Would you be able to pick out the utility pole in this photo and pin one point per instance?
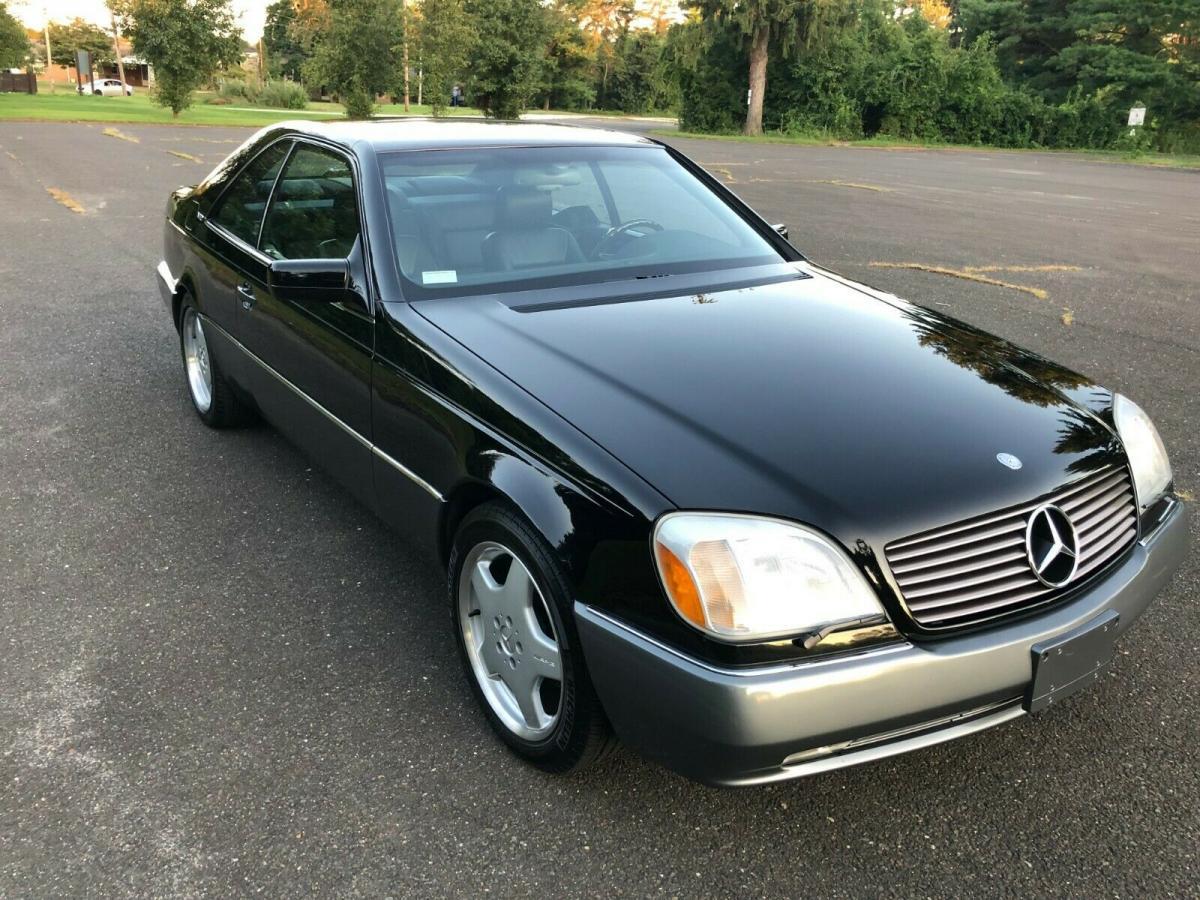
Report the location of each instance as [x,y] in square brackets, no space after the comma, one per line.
[404,22]
[262,63]
[49,60]
[117,49]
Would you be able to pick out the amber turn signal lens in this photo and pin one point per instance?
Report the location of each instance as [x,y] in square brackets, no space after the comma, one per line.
[681,589]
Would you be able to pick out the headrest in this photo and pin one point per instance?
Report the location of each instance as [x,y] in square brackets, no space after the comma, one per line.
[523,207]
[396,198]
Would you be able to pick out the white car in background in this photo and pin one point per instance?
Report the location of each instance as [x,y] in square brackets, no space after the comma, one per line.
[107,87]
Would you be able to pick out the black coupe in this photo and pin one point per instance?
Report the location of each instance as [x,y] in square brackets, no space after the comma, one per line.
[688,488]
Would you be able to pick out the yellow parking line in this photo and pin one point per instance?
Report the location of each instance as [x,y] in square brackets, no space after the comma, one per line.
[183,155]
[1050,268]
[853,184]
[965,274]
[66,200]
[120,135]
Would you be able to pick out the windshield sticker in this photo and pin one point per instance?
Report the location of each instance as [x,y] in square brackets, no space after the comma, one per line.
[440,276]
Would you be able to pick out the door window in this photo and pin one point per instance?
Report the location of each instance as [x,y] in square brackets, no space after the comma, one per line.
[314,213]
[242,207]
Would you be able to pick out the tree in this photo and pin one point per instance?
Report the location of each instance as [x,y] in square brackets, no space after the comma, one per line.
[359,54]
[14,44]
[285,54]
[763,22]
[186,41]
[506,68]
[1029,36]
[80,35]
[1121,51]
[448,38]
[568,73]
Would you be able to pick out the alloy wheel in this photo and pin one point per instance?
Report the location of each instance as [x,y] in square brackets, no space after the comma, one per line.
[511,642]
[196,361]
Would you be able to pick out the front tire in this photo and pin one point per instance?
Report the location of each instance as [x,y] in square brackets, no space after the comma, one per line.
[212,397]
[511,610]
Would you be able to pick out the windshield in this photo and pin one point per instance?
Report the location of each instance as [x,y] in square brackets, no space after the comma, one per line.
[497,220]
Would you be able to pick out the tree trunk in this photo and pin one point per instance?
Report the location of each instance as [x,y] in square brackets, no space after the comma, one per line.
[404,11]
[758,79]
[117,50]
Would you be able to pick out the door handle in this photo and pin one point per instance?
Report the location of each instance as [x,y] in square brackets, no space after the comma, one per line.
[247,294]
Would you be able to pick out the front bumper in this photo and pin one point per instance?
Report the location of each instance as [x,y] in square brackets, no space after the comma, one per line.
[730,727]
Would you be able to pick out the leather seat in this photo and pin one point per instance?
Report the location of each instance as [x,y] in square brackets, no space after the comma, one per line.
[525,238]
[409,236]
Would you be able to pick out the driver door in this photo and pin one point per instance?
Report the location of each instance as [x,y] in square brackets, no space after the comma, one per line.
[314,356]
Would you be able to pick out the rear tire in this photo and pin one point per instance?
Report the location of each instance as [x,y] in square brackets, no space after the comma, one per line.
[510,606]
[212,396]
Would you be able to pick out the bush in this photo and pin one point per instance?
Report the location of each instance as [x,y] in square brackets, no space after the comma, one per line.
[237,89]
[283,95]
[900,78]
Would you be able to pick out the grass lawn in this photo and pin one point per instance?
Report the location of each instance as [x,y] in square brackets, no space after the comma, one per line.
[62,106]
[1169,160]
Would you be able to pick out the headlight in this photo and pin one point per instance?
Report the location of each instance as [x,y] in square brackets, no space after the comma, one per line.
[1147,455]
[740,578]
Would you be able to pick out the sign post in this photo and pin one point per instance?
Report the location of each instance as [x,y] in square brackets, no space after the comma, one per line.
[1137,117]
[83,63]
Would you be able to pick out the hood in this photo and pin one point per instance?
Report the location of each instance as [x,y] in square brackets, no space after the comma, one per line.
[807,398]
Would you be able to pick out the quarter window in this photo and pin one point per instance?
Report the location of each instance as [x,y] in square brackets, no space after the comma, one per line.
[314,213]
[242,207]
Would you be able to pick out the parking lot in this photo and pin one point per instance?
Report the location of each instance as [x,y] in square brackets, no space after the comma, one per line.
[219,675]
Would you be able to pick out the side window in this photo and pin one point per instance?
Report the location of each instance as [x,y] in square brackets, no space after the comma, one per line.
[314,213]
[242,207]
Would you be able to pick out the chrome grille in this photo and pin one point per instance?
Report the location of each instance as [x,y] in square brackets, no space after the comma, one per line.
[978,569]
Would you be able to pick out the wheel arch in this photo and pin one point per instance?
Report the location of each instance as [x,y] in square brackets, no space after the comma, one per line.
[185,285]
[535,494]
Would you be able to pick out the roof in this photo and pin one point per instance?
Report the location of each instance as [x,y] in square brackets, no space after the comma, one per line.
[411,133]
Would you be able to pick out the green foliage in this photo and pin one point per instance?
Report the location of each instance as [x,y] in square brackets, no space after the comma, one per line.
[506,67]
[285,54]
[77,34]
[860,71]
[780,24]
[1117,51]
[640,80]
[703,58]
[568,77]
[283,95]
[447,38]
[358,55]
[237,89]
[186,41]
[14,45]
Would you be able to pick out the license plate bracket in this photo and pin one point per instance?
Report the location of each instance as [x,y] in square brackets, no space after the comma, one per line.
[1070,662]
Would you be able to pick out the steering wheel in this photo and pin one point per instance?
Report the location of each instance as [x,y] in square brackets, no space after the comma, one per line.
[602,246]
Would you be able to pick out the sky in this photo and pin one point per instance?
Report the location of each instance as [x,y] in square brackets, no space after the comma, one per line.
[34,13]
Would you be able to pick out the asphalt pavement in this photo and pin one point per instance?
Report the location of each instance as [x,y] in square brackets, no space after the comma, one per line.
[219,675]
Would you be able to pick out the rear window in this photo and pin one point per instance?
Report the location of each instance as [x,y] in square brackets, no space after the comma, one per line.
[499,220]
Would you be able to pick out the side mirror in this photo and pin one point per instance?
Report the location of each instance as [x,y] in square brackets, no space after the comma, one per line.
[781,230]
[310,279]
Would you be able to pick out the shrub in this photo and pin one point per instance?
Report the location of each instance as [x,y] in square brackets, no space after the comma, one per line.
[283,95]
[237,89]
[873,74]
